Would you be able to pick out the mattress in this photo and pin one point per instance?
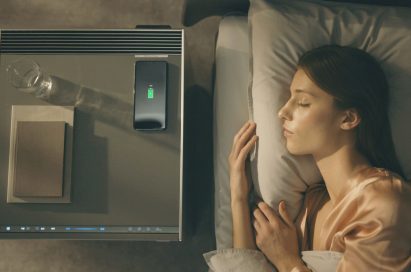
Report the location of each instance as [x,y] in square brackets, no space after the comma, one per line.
[231,111]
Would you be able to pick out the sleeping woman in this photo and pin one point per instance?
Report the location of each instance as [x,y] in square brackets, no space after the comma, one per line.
[338,113]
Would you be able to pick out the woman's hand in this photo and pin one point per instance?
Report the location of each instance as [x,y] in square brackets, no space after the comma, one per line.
[276,236]
[243,142]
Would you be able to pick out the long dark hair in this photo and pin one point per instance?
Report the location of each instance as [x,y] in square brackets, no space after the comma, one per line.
[356,80]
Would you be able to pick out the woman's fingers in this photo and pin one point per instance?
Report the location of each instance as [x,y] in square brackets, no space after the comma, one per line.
[247,148]
[243,139]
[237,136]
[269,213]
[284,214]
[259,217]
[241,131]
[257,226]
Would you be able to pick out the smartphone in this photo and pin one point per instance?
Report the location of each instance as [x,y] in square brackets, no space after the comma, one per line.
[150,95]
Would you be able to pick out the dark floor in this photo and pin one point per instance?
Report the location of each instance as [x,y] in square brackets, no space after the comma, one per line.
[102,256]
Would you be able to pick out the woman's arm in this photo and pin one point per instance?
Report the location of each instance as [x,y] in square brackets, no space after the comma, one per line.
[243,142]
[242,231]
[284,255]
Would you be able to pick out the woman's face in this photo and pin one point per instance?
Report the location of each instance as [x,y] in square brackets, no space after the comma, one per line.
[311,117]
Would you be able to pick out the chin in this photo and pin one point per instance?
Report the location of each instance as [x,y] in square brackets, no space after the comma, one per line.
[296,151]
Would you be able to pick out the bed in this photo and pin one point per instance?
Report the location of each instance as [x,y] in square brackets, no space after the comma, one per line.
[235,100]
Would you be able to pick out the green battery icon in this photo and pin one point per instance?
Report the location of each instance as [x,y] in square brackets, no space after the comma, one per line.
[150,92]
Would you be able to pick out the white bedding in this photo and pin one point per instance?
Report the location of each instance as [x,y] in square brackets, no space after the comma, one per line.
[231,111]
[245,260]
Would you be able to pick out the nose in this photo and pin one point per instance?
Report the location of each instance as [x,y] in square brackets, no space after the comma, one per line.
[283,113]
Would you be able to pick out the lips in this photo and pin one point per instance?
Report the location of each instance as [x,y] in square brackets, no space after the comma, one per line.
[288,131]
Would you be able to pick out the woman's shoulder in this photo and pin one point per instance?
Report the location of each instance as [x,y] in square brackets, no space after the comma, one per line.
[374,190]
[381,182]
[380,191]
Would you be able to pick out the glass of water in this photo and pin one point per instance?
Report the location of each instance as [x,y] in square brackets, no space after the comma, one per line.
[26,76]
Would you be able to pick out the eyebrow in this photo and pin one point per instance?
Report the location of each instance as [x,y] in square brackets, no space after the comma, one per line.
[304,91]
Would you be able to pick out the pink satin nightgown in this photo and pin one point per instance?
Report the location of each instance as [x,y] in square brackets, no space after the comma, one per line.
[370,222]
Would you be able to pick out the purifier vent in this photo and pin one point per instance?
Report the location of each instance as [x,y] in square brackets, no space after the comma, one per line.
[136,41]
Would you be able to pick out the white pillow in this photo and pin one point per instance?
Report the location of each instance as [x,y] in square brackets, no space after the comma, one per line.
[280,32]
